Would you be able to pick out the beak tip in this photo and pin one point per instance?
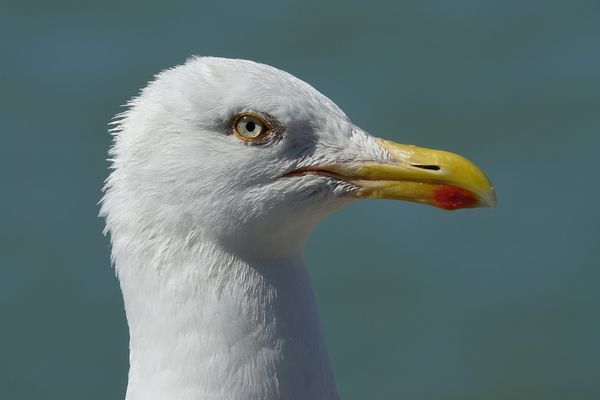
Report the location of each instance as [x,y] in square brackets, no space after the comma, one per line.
[489,199]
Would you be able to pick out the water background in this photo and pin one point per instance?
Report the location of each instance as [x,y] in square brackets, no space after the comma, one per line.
[416,303]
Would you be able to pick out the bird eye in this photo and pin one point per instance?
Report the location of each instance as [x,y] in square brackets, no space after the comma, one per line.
[250,127]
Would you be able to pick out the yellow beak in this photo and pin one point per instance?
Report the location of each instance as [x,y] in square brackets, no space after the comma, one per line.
[439,178]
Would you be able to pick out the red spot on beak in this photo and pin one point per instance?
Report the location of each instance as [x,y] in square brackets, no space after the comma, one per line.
[453,198]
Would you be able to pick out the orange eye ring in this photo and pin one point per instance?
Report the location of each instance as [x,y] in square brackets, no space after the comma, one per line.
[250,127]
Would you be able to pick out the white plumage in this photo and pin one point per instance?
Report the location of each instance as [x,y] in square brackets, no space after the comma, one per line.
[207,230]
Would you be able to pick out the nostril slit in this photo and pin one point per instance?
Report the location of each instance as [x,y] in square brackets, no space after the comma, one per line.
[429,167]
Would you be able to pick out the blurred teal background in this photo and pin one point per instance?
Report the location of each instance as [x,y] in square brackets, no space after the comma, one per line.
[416,303]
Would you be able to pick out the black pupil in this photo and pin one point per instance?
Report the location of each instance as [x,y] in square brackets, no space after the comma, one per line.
[250,126]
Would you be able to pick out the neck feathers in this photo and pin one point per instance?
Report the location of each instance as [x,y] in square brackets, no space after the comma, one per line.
[206,323]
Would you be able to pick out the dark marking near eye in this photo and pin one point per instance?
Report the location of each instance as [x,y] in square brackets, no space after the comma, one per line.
[430,167]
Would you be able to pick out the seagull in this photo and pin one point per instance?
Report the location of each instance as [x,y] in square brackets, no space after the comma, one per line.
[220,169]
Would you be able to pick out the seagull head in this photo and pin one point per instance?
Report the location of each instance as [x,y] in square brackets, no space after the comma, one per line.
[250,155]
